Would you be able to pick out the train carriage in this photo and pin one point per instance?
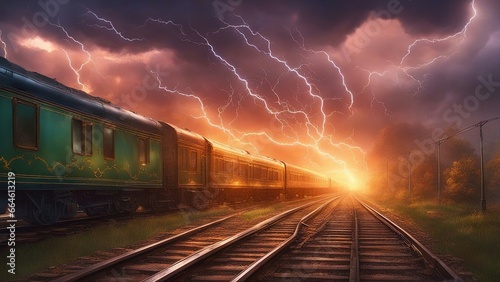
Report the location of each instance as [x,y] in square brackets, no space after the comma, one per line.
[301,182]
[237,173]
[184,165]
[70,149]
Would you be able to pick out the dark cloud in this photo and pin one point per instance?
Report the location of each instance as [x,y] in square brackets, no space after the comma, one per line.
[434,17]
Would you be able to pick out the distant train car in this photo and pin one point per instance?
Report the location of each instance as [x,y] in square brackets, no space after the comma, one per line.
[237,173]
[66,147]
[301,182]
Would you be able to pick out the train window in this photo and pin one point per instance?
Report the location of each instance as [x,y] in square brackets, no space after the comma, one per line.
[108,143]
[26,124]
[220,166]
[183,158]
[143,148]
[193,161]
[88,139]
[256,172]
[246,170]
[241,169]
[81,134]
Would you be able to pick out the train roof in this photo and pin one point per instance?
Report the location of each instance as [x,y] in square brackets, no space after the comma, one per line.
[52,91]
[186,134]
[243,153]
[291,167]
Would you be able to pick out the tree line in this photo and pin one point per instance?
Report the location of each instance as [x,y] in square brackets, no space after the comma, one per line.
[400,169]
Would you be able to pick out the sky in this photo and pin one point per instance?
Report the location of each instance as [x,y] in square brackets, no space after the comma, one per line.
[308,82]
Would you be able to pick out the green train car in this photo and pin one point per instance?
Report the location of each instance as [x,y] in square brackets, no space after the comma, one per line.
[69,150]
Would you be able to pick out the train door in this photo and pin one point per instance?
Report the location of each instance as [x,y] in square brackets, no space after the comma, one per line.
[204,171]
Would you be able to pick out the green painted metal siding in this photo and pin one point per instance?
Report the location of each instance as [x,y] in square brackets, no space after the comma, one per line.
[55,163]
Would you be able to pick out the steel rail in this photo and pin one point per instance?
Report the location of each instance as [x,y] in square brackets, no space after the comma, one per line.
[354,271]
[182,265]
[432,260]
[115,260]
[245,274]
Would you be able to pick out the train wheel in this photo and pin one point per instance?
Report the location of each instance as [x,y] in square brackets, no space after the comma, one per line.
[122,204]
[96,211]
[46,211]
[154,204]
[200,201]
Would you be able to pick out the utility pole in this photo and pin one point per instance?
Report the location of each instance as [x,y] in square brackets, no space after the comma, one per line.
[409,174]
[483,192]
[439,169]
[387,176]
[483,196]
[439,142]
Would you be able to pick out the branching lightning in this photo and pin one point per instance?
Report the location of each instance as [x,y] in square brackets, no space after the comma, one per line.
[301,44]
[4,45]
[370,74]
[82,47]
[109,26]
[315,133]
[462,33]
[179,26]
[406,69]
[374,99]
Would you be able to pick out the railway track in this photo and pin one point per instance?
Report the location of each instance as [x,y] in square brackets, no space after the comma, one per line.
[28,233]
[355,244]
[229,258]
[341,239]
[146,261]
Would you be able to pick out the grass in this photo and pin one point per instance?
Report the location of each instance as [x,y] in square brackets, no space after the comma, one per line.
[462,232]
[257,213]
[35,257]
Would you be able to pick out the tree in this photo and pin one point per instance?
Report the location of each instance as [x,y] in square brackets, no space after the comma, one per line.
[492,175]
[388,158]
[424,177]
[463,180]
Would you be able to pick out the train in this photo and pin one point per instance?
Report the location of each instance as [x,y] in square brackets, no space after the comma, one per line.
[63,150]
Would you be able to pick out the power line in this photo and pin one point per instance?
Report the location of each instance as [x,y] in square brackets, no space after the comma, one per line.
[439,142]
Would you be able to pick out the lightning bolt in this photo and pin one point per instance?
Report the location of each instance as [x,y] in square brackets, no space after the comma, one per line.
[3,44]
[179,26]
[109,26]
[370,74]
[408,70]
[301,44]
[374,99]
[316,133]
[76,70]
[280,109]
[462,33]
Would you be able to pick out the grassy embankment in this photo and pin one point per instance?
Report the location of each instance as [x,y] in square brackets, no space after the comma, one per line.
[461,231]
